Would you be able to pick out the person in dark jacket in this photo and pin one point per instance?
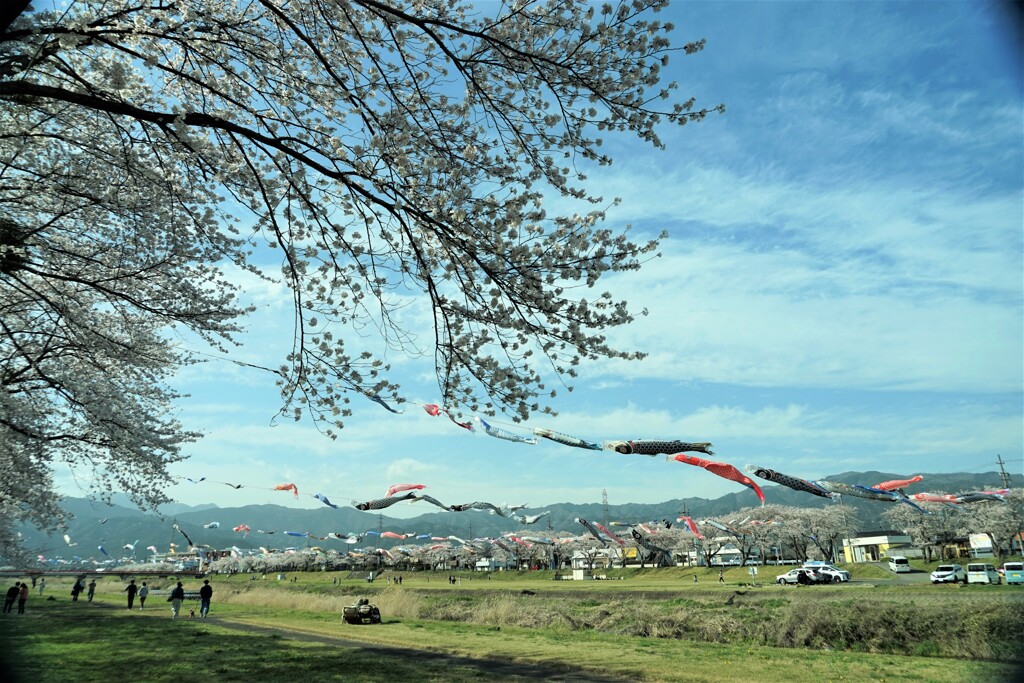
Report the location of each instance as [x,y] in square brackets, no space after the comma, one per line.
[132,589]
[12,595]
[177,595]
[205,593]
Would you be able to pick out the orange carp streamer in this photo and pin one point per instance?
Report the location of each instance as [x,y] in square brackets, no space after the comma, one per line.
[288,487]
[894,484]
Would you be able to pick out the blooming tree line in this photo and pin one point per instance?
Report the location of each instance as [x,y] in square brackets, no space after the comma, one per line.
[758,534]
[390,151]
[1002,521]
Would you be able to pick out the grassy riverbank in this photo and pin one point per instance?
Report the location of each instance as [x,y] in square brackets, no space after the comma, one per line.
[647,626]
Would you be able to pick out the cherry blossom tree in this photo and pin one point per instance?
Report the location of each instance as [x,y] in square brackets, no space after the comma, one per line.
[762,529]
[712,544]
[796,531]
[1002,520]
[826,527]
[392,152]
[931,531]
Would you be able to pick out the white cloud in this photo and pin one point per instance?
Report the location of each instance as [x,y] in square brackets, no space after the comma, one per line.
[863,285]
[404,468]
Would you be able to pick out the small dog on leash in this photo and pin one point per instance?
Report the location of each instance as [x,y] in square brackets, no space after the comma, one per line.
[192,613]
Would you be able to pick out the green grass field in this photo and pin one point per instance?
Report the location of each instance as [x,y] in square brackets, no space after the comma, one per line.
[650,625]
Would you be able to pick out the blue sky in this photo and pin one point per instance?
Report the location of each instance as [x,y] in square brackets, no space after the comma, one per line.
[841,290]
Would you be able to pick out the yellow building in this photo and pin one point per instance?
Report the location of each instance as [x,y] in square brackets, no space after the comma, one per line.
[878,546]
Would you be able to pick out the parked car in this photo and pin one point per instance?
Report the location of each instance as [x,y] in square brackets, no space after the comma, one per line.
[983,572]
[1013,572]
[801,575]
[899,564]
[949,573]
[825,569]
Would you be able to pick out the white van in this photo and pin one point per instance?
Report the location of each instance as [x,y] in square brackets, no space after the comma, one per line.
[899,564]
[982,572]
[827,570]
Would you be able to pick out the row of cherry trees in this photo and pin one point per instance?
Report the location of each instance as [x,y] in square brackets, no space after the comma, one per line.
[762,533]
[1002,521]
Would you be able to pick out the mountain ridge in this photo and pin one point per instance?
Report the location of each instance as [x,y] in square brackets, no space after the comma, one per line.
[93,524]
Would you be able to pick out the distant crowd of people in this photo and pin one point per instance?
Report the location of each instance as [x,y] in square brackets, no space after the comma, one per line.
[18,593]
[80,588]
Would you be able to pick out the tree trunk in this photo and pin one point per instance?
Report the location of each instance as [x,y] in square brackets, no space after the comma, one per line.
[9,11]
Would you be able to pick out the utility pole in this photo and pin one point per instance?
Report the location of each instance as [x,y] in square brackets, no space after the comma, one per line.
[1002,472]
[604,503]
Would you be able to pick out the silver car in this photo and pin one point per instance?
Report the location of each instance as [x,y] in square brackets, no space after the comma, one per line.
[949,573]
[793,577]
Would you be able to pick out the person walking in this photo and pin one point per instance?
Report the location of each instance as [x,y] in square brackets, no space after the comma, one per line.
[721,576]
[143,594]
[205,593]
[22,598]
[92,589]
[695,578]
[132,589]
[76,589]
[12,595]
[42,585]
[177,595]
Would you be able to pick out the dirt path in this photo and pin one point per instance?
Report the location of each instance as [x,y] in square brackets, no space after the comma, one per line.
[491,668]
[494,669]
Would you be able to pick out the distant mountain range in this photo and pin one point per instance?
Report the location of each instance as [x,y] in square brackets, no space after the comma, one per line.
[93,524]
